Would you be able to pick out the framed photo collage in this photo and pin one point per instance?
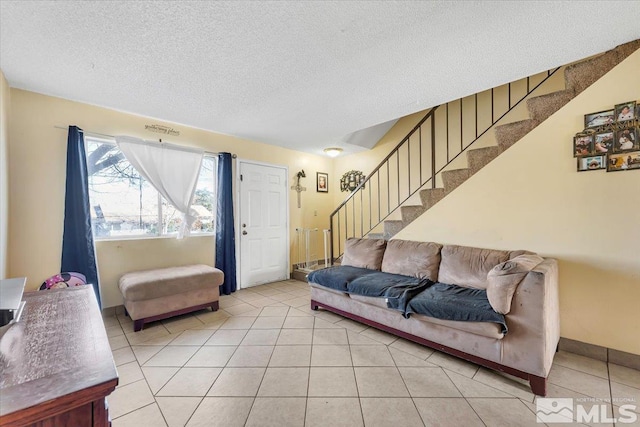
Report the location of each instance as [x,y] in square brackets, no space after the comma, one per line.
[610,139]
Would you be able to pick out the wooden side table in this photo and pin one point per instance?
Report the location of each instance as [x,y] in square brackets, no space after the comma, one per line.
[56,366]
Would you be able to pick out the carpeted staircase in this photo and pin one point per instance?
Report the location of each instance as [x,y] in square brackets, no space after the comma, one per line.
[577,77]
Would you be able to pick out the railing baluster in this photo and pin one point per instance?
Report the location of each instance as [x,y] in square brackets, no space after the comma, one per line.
[370,214]
[461,123]
[339,236]
[447,108]
[409,166]
[492,107]
[476,108]
[388,190]
[398,172]
[420,152]
[346,222]
[379,199]
[353,215]
[361,215]
[433,152]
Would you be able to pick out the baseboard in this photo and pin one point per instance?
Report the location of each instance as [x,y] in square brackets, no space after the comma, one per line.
[299,275]
[597,352]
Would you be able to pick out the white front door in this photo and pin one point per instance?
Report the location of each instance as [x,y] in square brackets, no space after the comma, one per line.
[264,228]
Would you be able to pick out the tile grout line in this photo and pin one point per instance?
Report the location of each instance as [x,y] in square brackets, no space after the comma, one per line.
[464,397]
[306,401]
[610,393]
[355,378]
[395,364]
[264,374]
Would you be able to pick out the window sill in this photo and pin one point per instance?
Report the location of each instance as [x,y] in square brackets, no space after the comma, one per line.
[166,236]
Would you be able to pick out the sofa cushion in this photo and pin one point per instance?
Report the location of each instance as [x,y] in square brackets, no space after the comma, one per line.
[364,253]
[485,329]
[339,276]
[376,301]
[467,266]
[417,259]
[504,278]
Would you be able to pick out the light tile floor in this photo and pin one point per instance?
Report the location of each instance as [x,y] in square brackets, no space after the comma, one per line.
[266,359]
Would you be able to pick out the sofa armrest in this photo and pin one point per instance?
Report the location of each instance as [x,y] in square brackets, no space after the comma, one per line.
[534,321]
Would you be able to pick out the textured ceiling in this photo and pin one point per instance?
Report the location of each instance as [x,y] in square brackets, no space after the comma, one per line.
[304,74]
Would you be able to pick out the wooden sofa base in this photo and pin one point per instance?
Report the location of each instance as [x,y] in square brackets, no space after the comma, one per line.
[138,324]
[538,384]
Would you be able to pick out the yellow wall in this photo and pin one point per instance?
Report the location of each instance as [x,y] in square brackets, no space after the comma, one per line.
[37,173]
[531,197]
[4,174]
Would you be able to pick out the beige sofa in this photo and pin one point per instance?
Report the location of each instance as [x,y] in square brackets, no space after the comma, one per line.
[519,284]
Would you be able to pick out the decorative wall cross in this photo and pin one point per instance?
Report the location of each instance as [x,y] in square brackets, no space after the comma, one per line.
[298,187]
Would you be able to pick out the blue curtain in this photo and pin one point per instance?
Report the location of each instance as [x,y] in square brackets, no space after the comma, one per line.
[225,234]
[78,251]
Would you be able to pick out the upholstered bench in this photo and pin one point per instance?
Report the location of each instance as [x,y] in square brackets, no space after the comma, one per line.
[158,294]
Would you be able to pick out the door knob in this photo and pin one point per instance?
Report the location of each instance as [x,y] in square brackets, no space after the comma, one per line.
[244,232]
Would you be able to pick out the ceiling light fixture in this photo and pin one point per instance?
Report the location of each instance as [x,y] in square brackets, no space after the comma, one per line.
[333,151]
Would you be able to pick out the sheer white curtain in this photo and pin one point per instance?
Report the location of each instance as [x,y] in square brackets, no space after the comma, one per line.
[171,169]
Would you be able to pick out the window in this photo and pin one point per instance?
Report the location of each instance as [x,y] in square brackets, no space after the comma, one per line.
[123,204]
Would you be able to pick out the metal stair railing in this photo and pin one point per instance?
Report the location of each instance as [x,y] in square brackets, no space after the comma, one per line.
[363,211]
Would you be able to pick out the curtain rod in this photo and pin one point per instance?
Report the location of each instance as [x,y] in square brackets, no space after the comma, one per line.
[113,137]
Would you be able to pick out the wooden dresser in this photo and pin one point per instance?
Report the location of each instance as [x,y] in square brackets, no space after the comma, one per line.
[56,366]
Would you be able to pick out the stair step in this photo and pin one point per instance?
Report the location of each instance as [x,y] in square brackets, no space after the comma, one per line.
[392,227]
[409,213]
[624,50]
[509,134]
[375,236]
[431,196]
[454,177]
[480,157]
[580,76]
[541,107]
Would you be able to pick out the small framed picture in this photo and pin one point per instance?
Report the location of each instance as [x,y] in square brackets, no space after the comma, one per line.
[322,182]
[603,143]
[626,140]
[625,111]
[582,145]
[598,119]
[590,163]
[623,161]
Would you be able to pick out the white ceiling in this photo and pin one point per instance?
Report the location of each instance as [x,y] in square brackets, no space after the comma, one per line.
[302,74]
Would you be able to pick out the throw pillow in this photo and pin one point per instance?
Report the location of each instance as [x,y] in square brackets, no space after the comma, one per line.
[417,259]
[504,278]
[364,253]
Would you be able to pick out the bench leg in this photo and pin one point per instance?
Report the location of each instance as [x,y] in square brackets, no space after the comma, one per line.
[138,325]
[215,306]
[126,313]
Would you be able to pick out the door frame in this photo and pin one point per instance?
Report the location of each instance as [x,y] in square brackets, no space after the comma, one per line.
[237,217]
